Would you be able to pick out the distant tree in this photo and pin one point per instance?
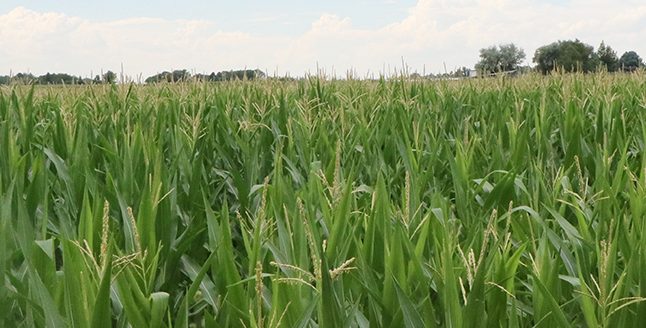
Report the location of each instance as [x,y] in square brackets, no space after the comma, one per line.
[630,61]
[506,57]
[546,56]
[569,55]
[489,60]
[23,78]
[461,72]
[201,77]
[247,74]
[159,77]
[46,79]
[511,57]
[165,76]
[59,78]
[607,57]
[109,77]
[180,75]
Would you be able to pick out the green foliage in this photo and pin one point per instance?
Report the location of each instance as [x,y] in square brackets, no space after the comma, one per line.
[184,75]
[570,56]
[246,74]
[174,76]
[607,57]
[59,78]
[630,61]
[20,78]
[49,79]
[109,77]
[314,203]
[502,58]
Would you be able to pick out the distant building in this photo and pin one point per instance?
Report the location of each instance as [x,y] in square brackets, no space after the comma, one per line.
[472,73]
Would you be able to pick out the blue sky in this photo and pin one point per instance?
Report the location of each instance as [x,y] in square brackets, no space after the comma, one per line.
[296,37]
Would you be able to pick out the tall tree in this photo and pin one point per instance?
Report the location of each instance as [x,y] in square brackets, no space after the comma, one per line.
[109,77]
[510,56]
[607,57]
[568,55]
[630,61]
[546,56]
[506,57]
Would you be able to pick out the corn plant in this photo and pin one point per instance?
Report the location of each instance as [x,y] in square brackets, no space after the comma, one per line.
[507,202]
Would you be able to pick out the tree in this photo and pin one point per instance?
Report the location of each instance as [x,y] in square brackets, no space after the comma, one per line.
[180,75]
[607,57]
[511,57]
[247,74]
[109,77]
[461,72]
[164,76]
[545,57]
[630,61]
[568,55]
[23,78]
[174,76]
[506,57]
[59,78]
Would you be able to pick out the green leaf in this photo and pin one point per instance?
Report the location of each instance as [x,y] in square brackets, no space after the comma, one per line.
[102,309]
[555,310]
[159,306]
[412,318]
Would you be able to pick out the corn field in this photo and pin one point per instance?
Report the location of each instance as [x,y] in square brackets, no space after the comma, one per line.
[506,202]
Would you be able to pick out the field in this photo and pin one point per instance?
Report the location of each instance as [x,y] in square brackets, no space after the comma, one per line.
[510,202]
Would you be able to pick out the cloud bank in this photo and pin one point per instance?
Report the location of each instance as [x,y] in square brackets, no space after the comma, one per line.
[435,34]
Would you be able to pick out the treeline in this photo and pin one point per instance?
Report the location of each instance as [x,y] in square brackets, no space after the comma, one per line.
[57,78]
[184,75]
[576,56]
[563,55]
[49,78]
[111,77]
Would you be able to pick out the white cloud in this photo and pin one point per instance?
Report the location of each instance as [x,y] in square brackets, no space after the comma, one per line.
[434,32]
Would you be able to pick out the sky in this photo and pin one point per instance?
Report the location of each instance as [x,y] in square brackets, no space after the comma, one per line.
[288,37]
